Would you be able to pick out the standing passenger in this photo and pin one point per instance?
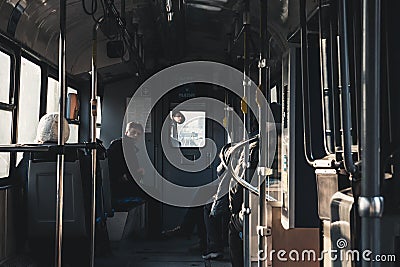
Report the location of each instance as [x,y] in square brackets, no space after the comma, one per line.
[176,118]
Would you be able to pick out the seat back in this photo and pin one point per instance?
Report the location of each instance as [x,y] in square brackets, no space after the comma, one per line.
[42,199]
[341,227]
[327,186]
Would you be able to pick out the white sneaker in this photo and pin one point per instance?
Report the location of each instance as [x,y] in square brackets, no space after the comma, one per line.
[213,256]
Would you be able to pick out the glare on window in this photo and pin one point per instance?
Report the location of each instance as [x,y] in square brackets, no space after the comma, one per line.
[5,69]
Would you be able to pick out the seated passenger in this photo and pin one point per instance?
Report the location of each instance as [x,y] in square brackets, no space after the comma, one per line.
[47,132]
[123,185]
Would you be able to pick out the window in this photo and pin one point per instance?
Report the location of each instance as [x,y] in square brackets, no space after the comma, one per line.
[5,115]
[98,120]
[29,102]
[53,94]
[274,94]
[5,138]
[53,97]
[188,128]
[5,68]
[73,133]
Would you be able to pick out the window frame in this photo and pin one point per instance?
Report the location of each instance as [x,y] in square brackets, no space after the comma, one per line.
[10,106]
[16,51]
[37,63]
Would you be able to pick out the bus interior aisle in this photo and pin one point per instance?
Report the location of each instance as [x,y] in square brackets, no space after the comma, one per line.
[171,253]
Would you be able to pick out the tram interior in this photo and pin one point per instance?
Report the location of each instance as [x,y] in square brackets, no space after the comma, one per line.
[327,69]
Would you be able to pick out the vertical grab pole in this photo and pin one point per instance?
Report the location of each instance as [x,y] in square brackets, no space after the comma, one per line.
[305,84]
[246,119]
[334,74]
[93,117]
[370,203]
[324,42]
[60,156]
[262,228]
[344,85]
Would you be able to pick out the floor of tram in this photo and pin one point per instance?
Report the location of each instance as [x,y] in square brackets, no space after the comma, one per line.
[135,253]
[160,253]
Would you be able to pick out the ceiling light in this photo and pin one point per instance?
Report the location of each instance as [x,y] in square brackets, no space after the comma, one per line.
[205,7]
[211,2]
[219,1]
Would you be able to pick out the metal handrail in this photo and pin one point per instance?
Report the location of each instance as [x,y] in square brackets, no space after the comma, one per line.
[227,164]
[45,147]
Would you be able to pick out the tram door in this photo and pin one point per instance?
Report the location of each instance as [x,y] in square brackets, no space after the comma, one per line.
[189,131]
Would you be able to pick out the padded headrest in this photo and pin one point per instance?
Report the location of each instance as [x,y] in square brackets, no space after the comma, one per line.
[47,130]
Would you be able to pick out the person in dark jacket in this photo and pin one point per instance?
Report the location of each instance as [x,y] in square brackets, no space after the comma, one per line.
[123,182]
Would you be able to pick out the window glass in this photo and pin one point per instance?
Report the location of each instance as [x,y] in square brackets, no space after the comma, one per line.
[29,101]
[5,138]
[274,95]
[188,128]
[53,94]
[71,90]
[5,69]
[73,133]
[98,130]
[98,119]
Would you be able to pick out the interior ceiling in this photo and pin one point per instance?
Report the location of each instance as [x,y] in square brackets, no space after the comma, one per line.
[199,29]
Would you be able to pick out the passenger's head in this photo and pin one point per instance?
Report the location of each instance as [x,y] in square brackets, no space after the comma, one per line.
[134,130]
[47,131]
[178,117]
